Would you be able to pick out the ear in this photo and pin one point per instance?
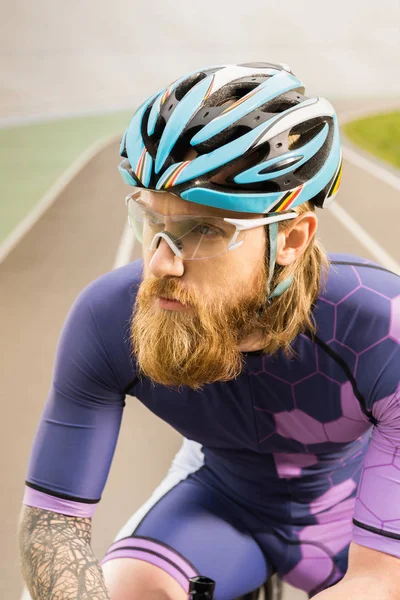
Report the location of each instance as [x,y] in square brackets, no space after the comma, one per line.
[293,241]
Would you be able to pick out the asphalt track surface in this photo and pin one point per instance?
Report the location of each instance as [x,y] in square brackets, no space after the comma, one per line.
[73,243]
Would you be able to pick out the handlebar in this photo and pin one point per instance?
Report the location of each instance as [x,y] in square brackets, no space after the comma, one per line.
[201,588]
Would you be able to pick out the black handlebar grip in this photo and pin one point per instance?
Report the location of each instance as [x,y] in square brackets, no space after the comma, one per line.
[201,588]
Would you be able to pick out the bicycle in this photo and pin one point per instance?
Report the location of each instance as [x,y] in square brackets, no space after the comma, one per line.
[202,588]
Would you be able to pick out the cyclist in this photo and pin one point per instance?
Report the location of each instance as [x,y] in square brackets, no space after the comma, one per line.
[279,367]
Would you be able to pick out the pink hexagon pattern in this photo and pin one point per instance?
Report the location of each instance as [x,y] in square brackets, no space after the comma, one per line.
[335,535]
[350,406]
[386,410]
[394,331]
[297,425]
[377,495]
[333,496]
[339,512]
[313,569]
[353,423]
[290,465]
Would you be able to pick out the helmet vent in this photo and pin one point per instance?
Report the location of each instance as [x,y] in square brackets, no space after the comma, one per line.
[189,83]
[228,135]
[232,92]
[152,142]
[283,164]
[311,168]
[124,152]
[305,132]
[278,105]
[182,147]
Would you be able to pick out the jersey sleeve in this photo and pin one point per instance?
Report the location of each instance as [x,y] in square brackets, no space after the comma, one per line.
[77,434]
[377,509]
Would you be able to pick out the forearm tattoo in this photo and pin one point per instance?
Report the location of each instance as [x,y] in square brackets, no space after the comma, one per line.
[57,560]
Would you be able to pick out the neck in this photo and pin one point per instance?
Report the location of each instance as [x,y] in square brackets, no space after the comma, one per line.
[252,343]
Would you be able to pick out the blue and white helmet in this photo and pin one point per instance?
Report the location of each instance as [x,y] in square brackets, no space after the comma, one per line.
[261,145]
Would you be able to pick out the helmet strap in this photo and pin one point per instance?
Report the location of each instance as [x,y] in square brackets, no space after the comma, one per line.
[273,247]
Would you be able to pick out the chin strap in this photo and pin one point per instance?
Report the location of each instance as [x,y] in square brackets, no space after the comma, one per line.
[273,246]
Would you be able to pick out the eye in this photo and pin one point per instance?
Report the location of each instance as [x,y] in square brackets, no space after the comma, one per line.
[151,219]
[208,230]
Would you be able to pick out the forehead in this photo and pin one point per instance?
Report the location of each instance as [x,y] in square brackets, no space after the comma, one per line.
[166,203]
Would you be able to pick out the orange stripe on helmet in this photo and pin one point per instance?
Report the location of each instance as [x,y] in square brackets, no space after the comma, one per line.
[165,95]
[139,168]
[286,202]
[175,174]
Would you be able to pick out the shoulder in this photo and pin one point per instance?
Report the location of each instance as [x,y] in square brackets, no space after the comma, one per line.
[359,280]
[358,316]
[358,290]
[97,328]
[114,290]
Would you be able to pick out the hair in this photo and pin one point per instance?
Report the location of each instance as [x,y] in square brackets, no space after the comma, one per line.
[290,314]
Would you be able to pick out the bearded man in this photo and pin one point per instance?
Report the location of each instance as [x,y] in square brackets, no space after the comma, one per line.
[278,364]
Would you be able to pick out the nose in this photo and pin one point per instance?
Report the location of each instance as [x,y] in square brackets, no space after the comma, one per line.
[164,263]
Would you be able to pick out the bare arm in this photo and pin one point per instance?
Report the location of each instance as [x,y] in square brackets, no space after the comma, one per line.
[57,560]
[371,574]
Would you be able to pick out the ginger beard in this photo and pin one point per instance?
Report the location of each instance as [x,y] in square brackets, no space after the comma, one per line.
[199,345]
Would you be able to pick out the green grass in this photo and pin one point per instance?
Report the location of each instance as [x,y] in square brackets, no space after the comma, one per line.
[379,135]
[32,157]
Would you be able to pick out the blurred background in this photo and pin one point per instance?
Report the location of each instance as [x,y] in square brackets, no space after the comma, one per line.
[62,58]
[71,76]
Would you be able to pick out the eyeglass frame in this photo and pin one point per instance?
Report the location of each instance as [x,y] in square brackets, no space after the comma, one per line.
[240,224]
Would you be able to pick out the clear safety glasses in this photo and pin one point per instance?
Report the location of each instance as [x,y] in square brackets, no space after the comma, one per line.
[191,237]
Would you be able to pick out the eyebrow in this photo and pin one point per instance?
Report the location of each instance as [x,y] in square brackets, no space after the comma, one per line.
[146,206]
[234,215]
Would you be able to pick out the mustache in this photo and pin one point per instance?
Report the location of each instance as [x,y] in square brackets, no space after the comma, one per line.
[173,289]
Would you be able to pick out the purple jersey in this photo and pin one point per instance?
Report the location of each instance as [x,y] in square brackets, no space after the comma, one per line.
[292,438]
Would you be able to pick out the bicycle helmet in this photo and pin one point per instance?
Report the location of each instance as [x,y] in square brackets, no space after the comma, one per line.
[261,145]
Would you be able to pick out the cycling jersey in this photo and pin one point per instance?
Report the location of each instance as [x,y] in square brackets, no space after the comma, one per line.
[290,449]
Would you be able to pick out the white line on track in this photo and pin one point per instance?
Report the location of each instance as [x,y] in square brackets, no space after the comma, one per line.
[125,248]
[383,257]
[365,239]
[371,167]
[51,195]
